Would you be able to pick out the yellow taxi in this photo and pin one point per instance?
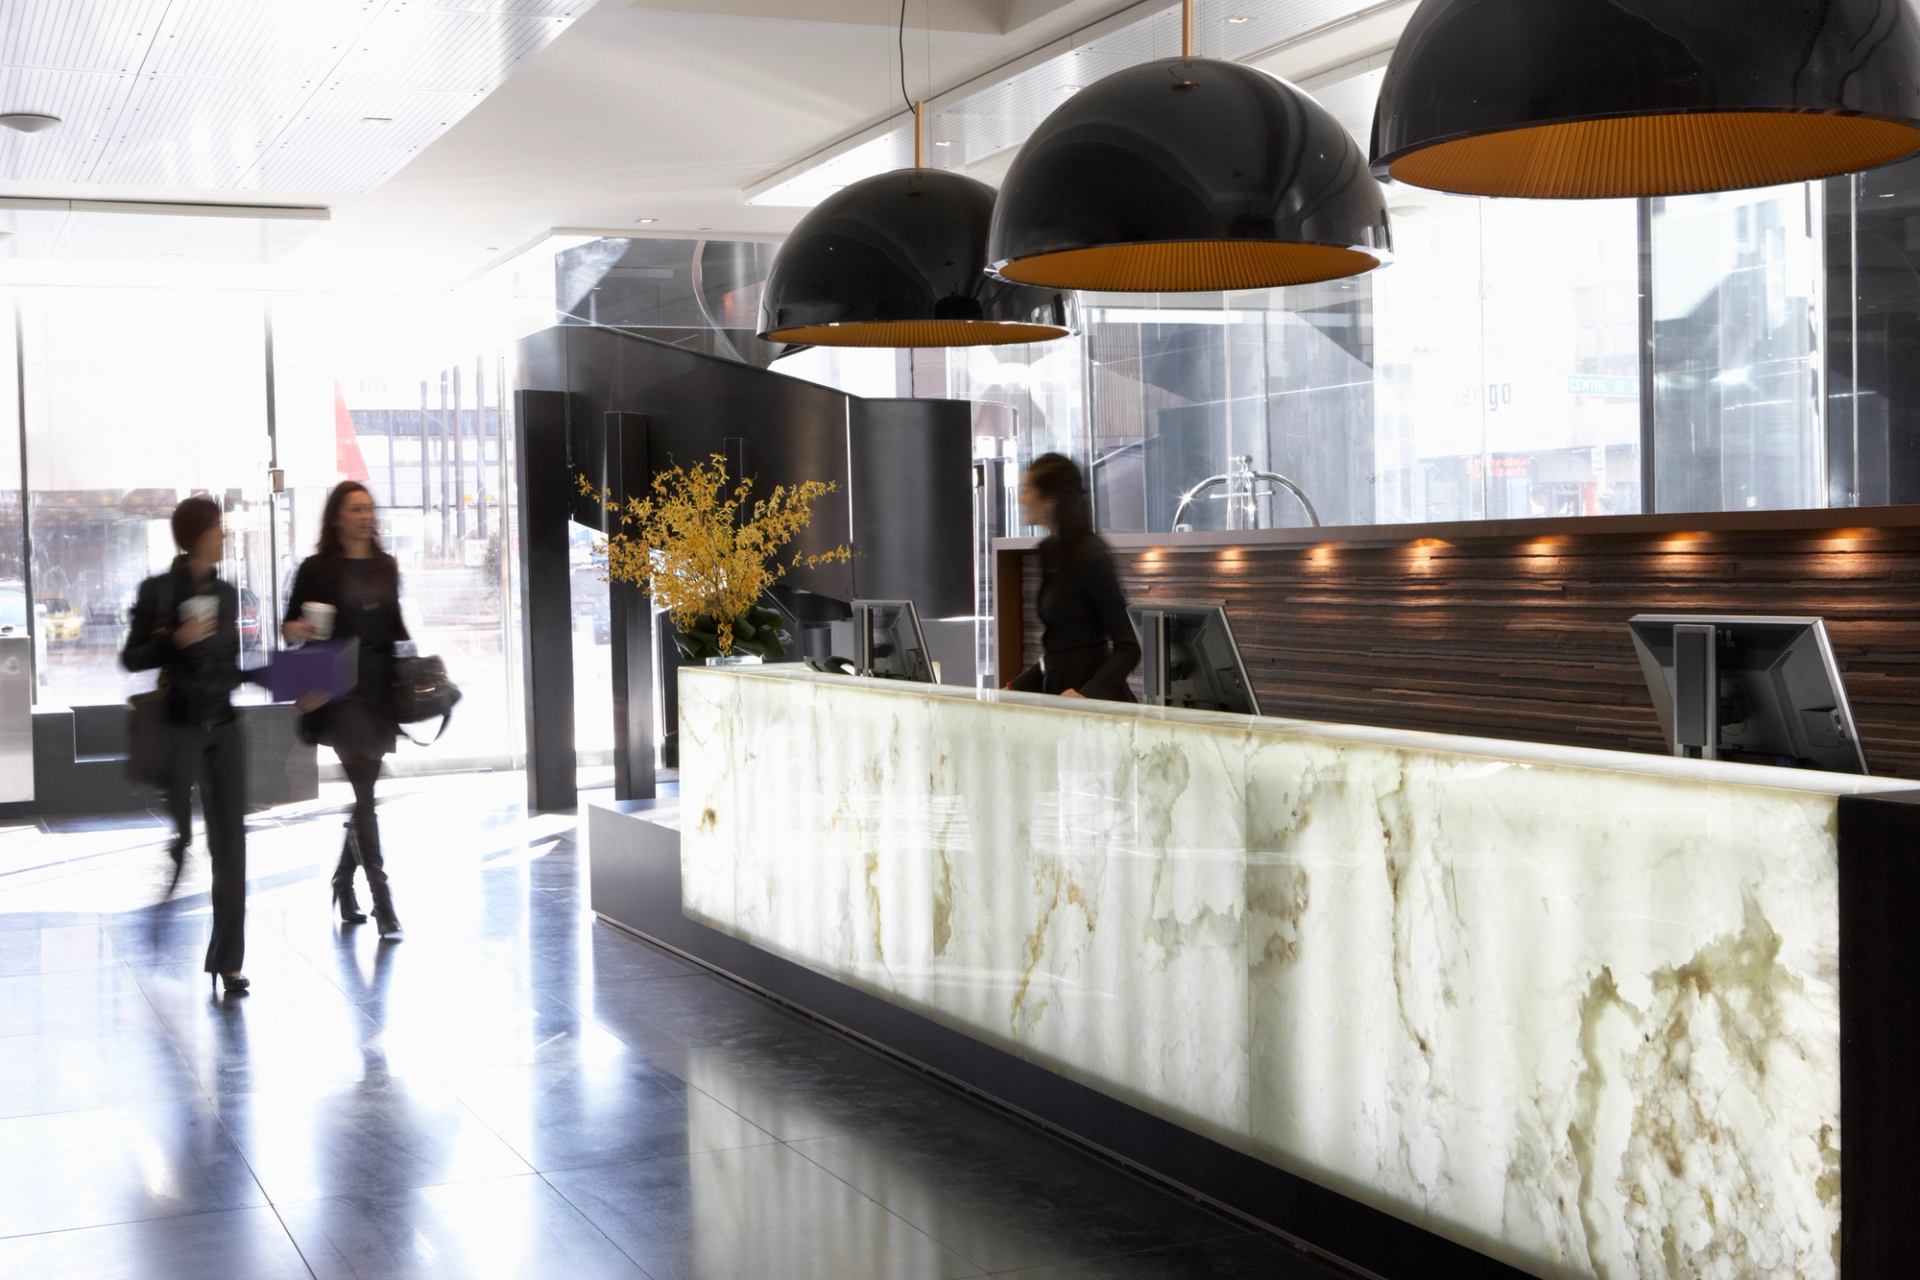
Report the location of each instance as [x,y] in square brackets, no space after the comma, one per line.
[59,619]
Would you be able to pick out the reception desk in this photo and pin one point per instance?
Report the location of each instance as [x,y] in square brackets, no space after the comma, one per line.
[1581,1013]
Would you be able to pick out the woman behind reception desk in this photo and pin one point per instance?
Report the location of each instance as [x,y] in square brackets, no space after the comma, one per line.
[1087,644]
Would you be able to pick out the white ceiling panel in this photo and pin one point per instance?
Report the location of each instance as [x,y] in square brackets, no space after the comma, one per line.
[31,232]
[326,169]
[444,50]
[195,133]
[293,43]
[335,146]
[87,102]
[255,95]
[77,35]
[528,8]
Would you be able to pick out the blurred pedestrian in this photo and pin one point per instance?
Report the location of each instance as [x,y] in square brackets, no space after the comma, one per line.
[186,626]
[356,586]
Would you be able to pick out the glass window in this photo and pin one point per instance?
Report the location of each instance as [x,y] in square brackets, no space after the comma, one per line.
[13,588]
[1738,393]
[407,399]
[1492,370]
[135,399]
[1872,331]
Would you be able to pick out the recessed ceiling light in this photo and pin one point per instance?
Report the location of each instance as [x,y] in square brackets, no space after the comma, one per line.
[28,121]
[943,144]
[376,119]
[1237,19]
[646,221]
[493,248]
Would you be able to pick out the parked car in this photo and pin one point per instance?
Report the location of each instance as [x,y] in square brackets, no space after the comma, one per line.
[60,620]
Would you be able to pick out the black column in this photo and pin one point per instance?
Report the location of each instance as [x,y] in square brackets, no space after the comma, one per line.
[1879,1032]
[546,627]
[632,619]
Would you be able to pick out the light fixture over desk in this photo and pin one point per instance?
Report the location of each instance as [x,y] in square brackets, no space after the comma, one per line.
[1589,99]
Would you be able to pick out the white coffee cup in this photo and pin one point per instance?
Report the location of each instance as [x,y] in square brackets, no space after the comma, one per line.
[319,617]
[199,609]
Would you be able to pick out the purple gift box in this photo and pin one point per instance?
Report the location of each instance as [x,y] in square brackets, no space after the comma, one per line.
[319,666]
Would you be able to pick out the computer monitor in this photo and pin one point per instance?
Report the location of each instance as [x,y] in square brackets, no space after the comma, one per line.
[1188,658]
[1753,690]
[813,617]
[891,643]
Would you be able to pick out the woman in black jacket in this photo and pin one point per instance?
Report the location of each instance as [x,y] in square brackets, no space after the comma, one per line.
[186,625]
[1087,643]
[361,582]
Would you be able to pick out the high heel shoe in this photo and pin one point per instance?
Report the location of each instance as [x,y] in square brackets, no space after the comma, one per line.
[383,913]
[350,912]
[236,983]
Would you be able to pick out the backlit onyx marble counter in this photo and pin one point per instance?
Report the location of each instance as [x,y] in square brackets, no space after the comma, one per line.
[1578,1010]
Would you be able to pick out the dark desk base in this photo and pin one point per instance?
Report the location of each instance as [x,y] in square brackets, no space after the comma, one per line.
[634,852]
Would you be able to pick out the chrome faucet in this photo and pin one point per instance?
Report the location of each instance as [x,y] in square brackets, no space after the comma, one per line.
[1243,495]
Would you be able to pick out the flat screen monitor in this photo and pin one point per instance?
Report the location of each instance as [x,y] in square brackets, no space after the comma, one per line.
[1188,658]
[892,645]
[1752,690]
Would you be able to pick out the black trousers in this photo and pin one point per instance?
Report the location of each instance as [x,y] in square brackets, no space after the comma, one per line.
[363,829]
[214,756]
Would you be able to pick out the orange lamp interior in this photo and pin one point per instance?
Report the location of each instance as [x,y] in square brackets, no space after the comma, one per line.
[1189,266]
[1662,155]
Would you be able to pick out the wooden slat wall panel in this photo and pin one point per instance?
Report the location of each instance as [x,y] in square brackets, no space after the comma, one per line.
[1516,637]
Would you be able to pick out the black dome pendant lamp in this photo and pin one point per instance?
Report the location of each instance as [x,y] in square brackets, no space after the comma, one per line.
[1603,98]
[1188,175]
[900,260]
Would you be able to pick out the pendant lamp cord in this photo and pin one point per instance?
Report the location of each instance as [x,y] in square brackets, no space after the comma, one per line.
[905,96]
[1186,28]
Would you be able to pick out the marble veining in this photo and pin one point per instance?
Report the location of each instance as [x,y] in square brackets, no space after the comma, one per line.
[1576,1010]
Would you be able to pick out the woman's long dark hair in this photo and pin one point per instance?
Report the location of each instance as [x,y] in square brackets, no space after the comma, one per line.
[330,545]
[1055,478]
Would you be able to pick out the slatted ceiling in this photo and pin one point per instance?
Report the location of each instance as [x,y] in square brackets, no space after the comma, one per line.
[287,42]
[325,168]
[191,133]
[338,117]
[548,9]
[88,102]
[332,147]
[441,50]
[219,95]
[77,35]
[1488,636]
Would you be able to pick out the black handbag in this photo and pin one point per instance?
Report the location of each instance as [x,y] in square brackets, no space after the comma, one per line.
[149,754]
[149,762]
[422,691]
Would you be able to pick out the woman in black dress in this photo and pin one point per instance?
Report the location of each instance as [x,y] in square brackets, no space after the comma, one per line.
[1087,643]
[186,625]
[361,582]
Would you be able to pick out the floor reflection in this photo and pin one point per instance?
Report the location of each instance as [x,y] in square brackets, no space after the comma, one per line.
[512,1091]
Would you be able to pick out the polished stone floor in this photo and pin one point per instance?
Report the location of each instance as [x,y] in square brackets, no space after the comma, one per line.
[514,1090]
